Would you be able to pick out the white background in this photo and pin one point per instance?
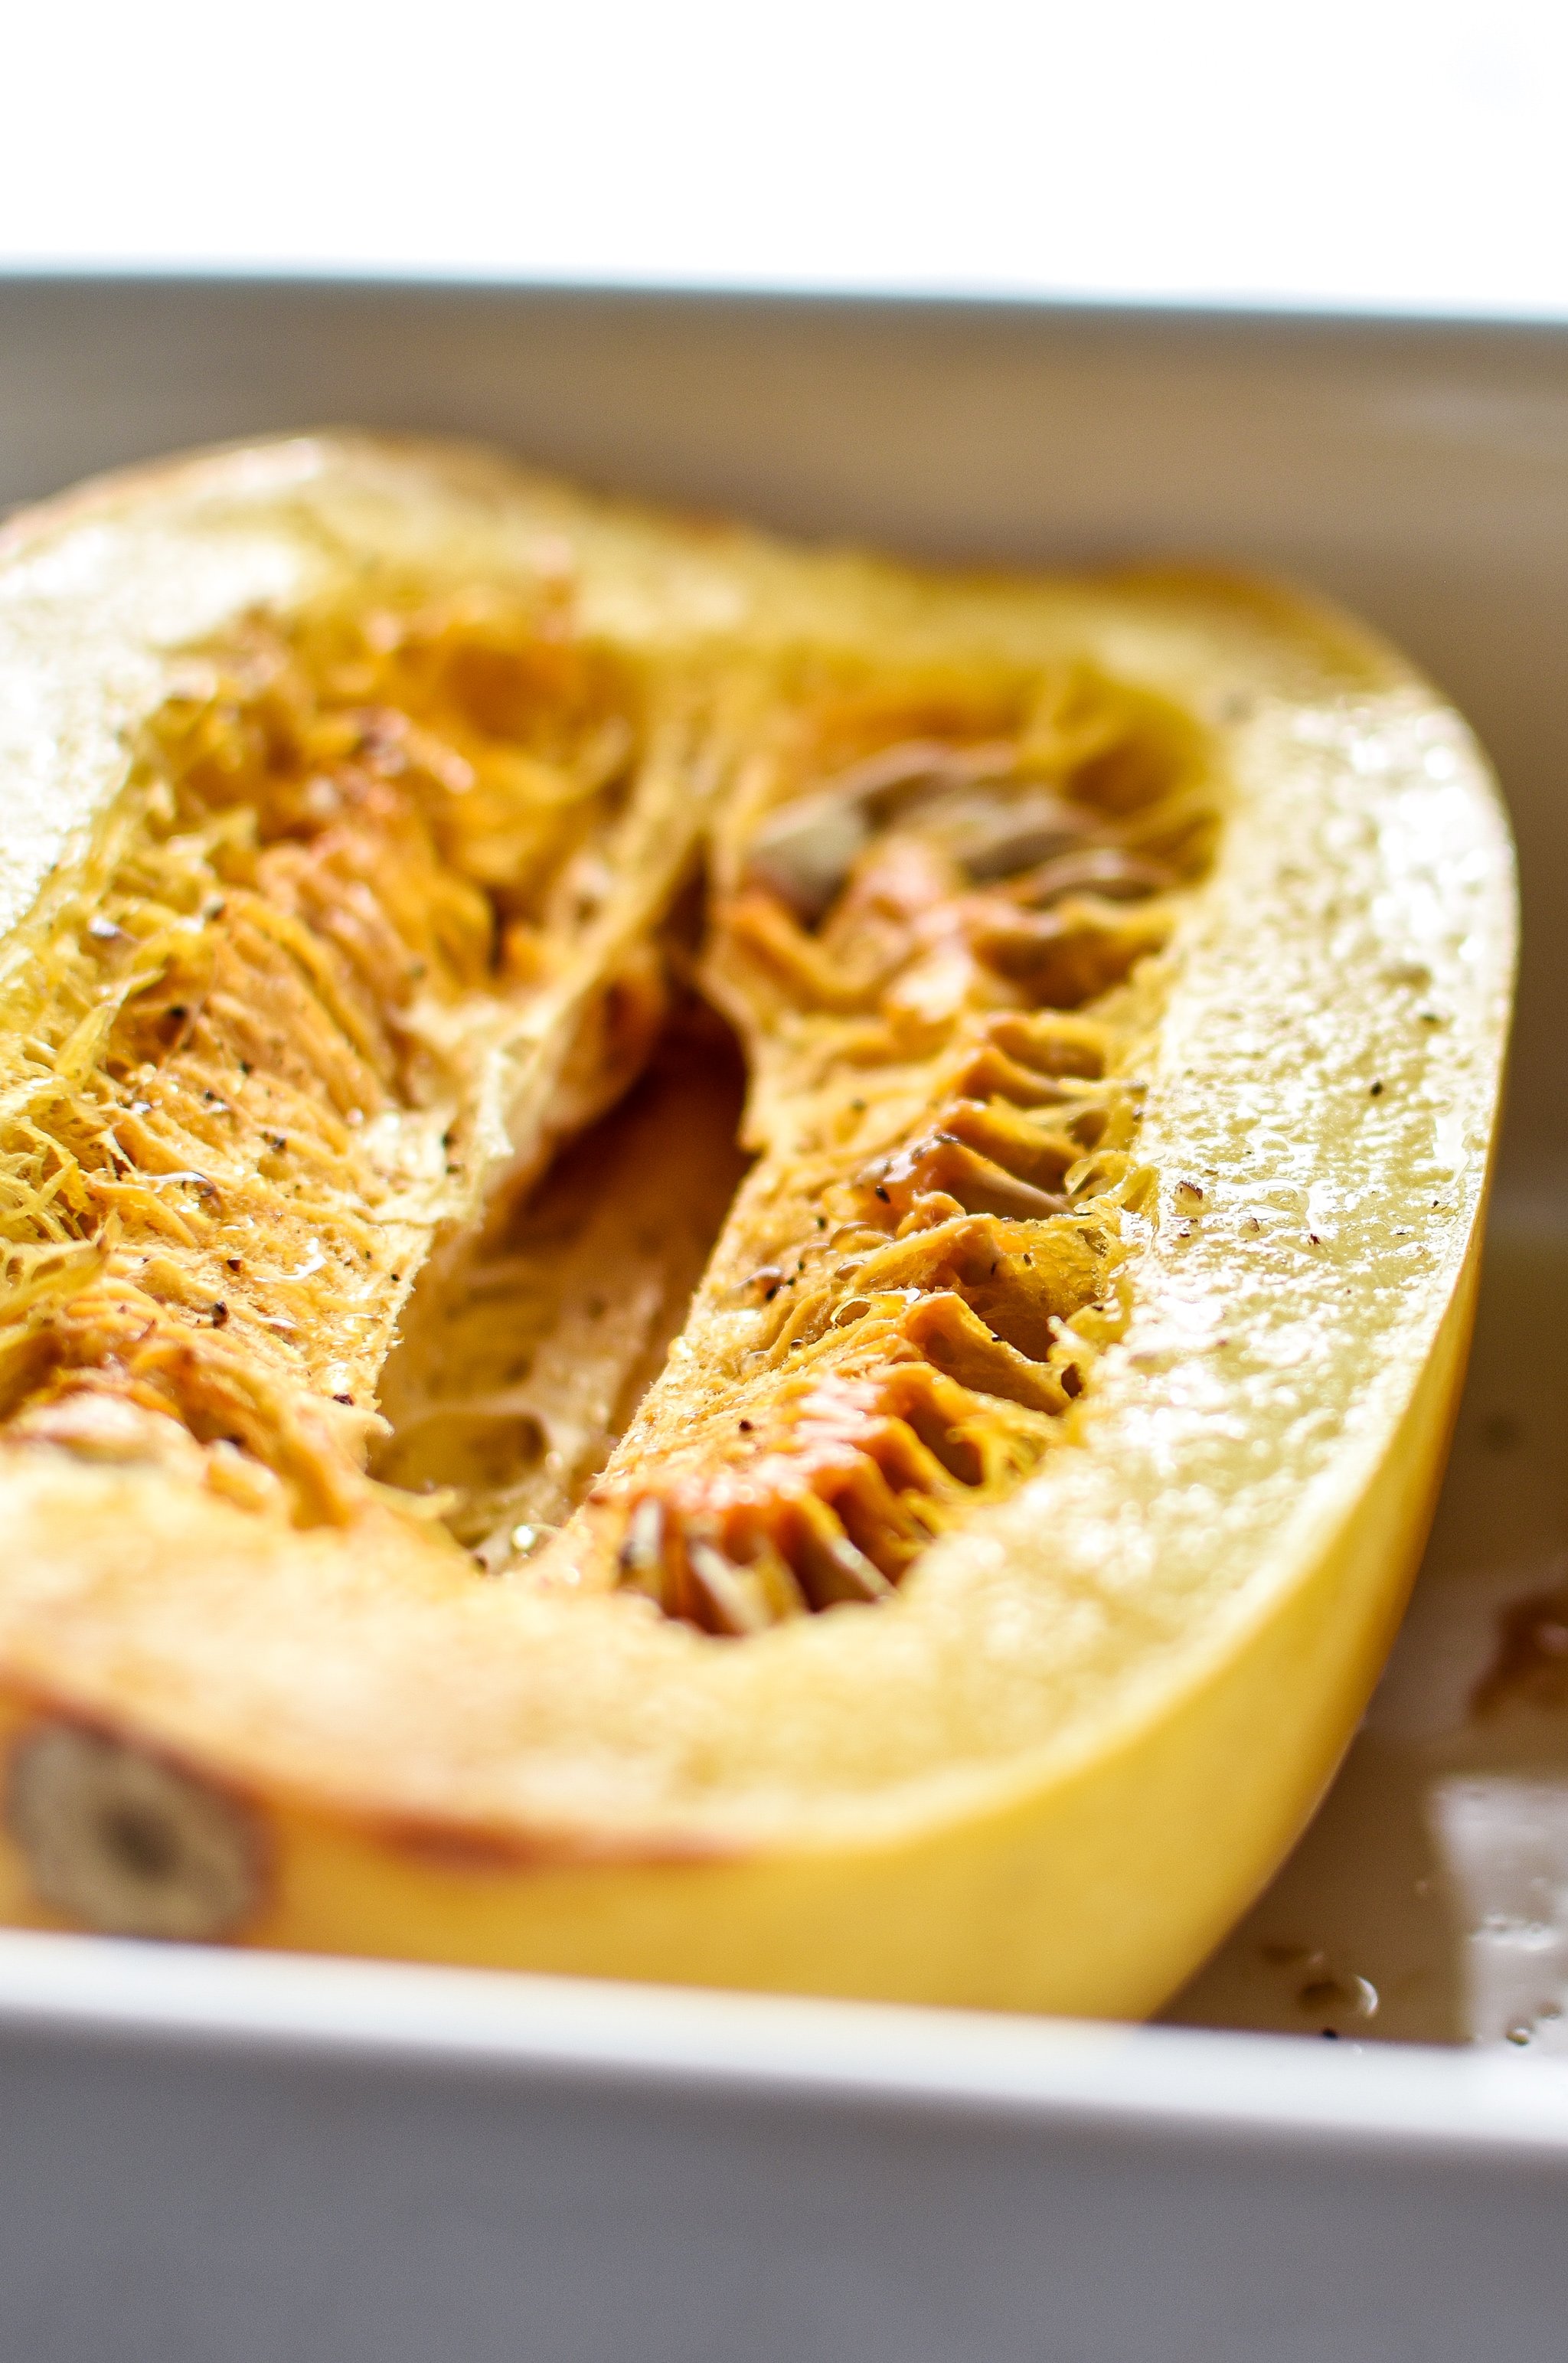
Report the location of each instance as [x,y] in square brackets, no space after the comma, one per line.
[1307,150]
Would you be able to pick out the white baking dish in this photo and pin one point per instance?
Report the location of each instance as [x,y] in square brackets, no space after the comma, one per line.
[243,2157]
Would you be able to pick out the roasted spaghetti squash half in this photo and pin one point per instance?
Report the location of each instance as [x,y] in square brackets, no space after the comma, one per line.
[719,1262]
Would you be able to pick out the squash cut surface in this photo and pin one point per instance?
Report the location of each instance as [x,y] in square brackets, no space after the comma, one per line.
[719,1262]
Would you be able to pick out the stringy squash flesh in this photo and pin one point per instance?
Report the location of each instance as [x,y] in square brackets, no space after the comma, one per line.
[418,873]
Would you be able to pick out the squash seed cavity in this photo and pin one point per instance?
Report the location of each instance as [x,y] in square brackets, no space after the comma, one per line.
[356,847]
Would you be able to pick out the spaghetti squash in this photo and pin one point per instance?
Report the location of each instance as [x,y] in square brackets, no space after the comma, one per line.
[717,1262]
